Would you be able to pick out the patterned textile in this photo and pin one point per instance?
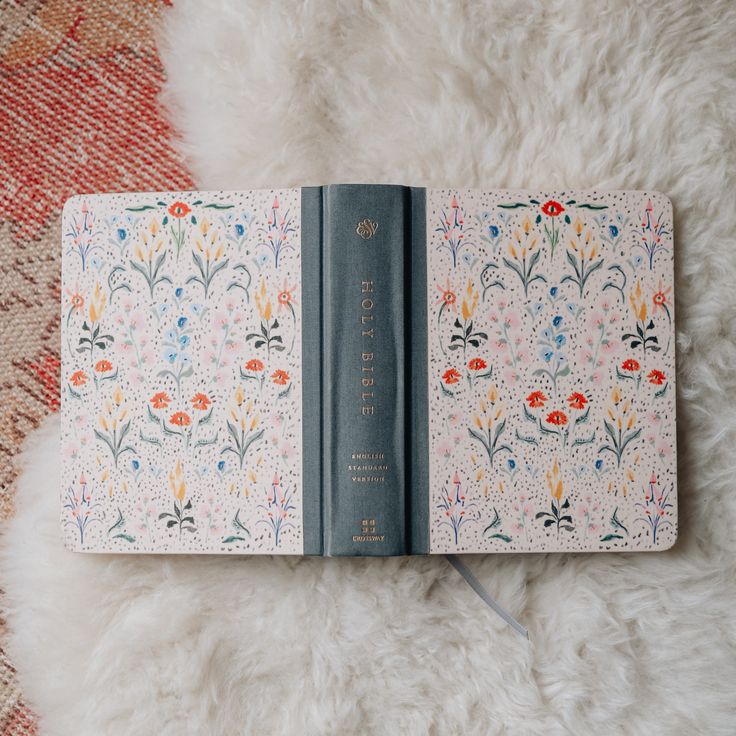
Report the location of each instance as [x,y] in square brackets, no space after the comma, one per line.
[79,113]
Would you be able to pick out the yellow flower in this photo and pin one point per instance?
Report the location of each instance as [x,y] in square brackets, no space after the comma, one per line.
[239,396]
[578,225]
[117,396]
[554,481]
[616,395]
[96,304]
[492,394]
[176,482]
[470,302]
[263,303]
[638,303]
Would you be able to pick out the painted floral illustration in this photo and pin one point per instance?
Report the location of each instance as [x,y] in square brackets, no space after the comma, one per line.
[181,371]
[574,316]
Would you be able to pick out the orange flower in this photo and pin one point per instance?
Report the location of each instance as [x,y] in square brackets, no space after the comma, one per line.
[286,297]
[631,365]
[160,400]
[536,399]
[179,209]
[280,377]
[448,296]
[552,208]
[557,417]
[181,419]
[201,402]
[77,300]
[78,378]
[656,377]
[254,365]
[451,376]
[660,296]
[103,366]
[477,364]
[577,400]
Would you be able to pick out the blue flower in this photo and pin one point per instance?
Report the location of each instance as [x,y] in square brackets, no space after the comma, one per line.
[136,464]
[557,321]
[493,231]
[598,464]
[178,292]
[163,308]
[221,465]
[184,340]
[613,230]
[196,309]
[181,322]
[170,355]
[546,354]
[571,307]
[560,340]
[122,234]
[511,463]
[553,291]
[239,229]
[186,359]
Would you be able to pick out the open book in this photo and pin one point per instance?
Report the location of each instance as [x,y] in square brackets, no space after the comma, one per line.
[368,370]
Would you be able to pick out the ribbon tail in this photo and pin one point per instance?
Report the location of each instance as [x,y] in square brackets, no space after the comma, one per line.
[485,596]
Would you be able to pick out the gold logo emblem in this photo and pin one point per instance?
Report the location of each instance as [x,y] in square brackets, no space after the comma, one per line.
[366,228]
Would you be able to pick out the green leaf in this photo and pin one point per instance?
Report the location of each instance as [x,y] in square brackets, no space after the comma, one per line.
[528,440]
[126,537]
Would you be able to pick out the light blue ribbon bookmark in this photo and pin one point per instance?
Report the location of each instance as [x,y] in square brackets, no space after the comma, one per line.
[485,596]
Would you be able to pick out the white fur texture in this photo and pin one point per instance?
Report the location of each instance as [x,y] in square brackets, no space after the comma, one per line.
[517,93]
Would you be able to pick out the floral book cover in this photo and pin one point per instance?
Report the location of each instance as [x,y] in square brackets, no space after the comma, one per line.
[360,369]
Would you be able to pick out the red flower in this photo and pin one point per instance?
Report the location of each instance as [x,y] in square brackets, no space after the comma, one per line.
[477,364]
[557,417]
[631,365]
[552,208]
[179,209]
[103,366]
[656,377]
[536,399]
[280,377]
[254,365]
[577,400]
[160,400]
[181,419]
[78,378]
[451,376]
[201,402]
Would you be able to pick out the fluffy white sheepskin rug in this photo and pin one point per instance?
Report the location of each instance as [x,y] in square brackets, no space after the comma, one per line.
[515,93]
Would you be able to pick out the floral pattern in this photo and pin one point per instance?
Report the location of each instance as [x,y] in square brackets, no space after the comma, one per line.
[563,301]
[181,373]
